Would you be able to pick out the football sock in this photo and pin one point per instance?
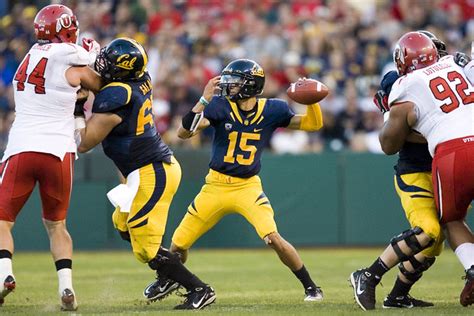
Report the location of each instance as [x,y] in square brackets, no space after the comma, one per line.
[64,270]
[183,276]
[378,268]
[465,254]
[400,288]
[5,264]
[303,275]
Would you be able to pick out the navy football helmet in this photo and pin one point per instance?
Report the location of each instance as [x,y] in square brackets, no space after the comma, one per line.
[123,59]
[243,73]
[440,45]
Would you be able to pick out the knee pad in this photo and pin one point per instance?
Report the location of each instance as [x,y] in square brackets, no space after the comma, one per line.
[164,261]
[125,235]
[409,236]
[419,268]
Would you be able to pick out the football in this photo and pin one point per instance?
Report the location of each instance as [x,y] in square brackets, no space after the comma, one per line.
[307,91]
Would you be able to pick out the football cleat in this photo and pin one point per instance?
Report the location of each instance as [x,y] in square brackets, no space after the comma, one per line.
[198,298]
[467,295]
[68,300]
[363,283]
[9,285]
[313,294]
[405,301]
[159,289]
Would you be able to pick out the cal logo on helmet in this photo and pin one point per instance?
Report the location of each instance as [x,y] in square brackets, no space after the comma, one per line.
[124,62]
[122,59]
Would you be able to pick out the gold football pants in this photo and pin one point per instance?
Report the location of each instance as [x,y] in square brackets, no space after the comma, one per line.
[146,221]
[222,195]
[416,195]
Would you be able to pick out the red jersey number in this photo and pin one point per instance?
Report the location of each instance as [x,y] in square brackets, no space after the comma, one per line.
[442,91]
[36,77]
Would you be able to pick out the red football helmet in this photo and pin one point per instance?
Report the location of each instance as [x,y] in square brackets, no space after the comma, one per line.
[56,23]
[414,50]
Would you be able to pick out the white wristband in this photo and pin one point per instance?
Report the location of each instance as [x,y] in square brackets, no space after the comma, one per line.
[386,115]
[79,122]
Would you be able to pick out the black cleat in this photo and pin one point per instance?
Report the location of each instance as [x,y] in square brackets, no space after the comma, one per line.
[467,295]
[9,285]
[404,302]
[198,298]
[364,284]
[313,294]
[159,289]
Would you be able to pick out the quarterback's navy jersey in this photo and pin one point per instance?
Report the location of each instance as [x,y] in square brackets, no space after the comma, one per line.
[240,136]
[413,157]
[134,142]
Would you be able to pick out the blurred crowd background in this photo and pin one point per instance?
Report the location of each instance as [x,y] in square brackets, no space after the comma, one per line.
[346,44]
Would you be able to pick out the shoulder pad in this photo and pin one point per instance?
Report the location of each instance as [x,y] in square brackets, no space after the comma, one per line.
[399,90]
[73,54]
[111,97]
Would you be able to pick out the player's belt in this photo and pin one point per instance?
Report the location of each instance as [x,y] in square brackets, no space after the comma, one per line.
[216,176]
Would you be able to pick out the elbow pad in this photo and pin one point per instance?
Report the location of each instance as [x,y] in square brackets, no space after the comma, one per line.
[313,118]
[191,121]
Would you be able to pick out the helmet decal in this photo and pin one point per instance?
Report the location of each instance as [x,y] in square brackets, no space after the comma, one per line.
[64,21]
[126,64]
[122,59]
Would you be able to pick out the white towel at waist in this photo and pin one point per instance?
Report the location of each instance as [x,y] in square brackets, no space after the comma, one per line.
[123,195]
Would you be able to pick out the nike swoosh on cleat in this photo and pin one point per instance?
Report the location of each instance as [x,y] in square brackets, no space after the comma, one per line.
[358,290]
[196,305]
[162,288]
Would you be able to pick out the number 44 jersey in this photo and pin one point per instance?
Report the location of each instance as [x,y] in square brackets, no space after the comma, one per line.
[44,100]
[443,98]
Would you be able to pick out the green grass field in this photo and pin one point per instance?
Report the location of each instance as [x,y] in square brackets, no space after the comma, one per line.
[247,282]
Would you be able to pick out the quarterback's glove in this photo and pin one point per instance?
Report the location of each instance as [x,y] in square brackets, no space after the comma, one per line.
[381,101]
[462,59]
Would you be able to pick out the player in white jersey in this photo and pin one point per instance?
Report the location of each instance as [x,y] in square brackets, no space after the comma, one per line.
[41,146]
[436,99]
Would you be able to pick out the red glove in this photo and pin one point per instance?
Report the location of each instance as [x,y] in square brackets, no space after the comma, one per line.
[90,45]
[381,101]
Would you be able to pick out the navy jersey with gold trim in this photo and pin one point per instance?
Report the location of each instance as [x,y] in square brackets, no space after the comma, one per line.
[134,142]
[240,136]
[413,157]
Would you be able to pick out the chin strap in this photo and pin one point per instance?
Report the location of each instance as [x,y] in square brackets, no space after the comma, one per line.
[312,120]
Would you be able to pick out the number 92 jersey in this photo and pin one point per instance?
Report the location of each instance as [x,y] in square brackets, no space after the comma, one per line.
[134,142]
[240,136]
[443,98]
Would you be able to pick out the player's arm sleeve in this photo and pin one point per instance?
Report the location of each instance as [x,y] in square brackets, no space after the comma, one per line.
[112,98]
[311,121]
